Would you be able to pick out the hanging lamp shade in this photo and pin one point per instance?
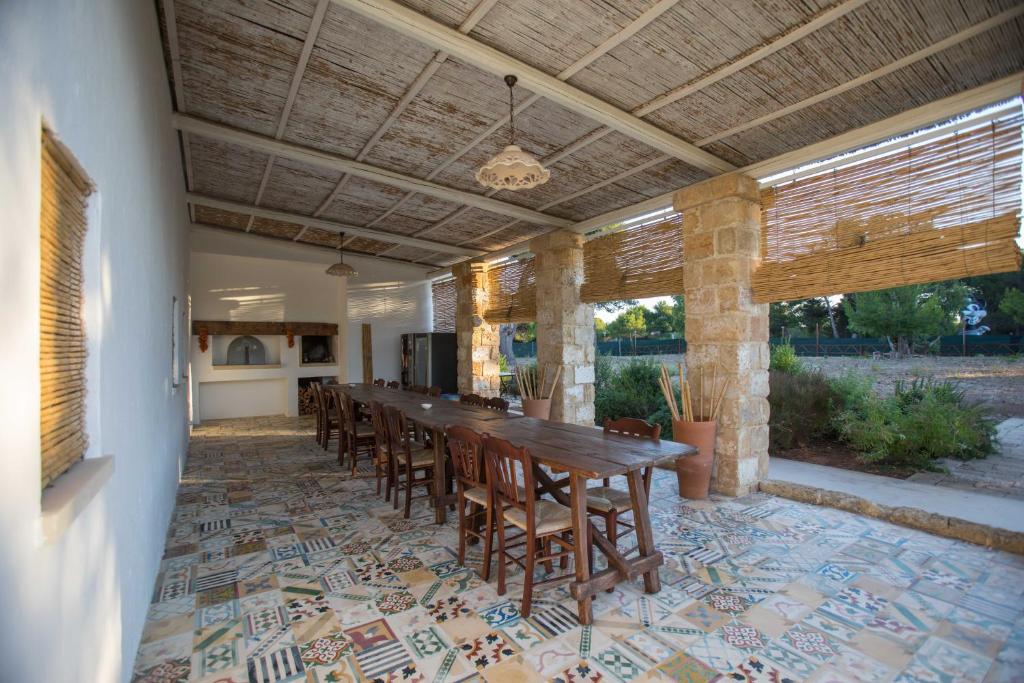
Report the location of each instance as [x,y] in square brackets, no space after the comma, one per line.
[512,168]
[341,269]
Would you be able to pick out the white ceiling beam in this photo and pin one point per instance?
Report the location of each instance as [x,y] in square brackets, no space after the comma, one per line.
[171,24]
[414,89]
[913,58]
[360,169]
[332,226]
[425,30]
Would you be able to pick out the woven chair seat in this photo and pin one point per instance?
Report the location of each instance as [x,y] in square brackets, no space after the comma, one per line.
[478,494]
[549,517]
[606,499]
[421,457]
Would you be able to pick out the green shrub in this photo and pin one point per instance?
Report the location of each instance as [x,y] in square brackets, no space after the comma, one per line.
[801,405]
[919,422]
[629,391]
[784,359]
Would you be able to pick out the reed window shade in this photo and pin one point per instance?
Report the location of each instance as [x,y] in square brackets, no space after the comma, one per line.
[443,302]
[635,263]
[512,292]
[945,208]
[62,348]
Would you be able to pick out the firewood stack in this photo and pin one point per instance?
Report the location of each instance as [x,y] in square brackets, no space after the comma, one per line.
[306,404]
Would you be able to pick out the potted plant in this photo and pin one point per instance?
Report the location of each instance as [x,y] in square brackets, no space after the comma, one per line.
[536,401]
[694,422]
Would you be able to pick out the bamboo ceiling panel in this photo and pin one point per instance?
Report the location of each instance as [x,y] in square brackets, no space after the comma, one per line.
[271,228]
[297,187]
[664,177]
[451,13]
[552,34]
[512,292]
[507,237]
[226,171]
[237,59]
[468,226]
[424,208]
[683,44]
[356,74]
[221,218]
[942,209]
[367,245]
[993,55]
[361,201]
[320,237]
[634,263]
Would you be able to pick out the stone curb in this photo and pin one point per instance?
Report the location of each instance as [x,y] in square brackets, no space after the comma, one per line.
[915,518]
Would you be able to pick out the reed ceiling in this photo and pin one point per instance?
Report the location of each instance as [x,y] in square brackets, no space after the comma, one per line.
[316,74]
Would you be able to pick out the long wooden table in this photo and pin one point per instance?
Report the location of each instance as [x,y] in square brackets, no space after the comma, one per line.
[582,453]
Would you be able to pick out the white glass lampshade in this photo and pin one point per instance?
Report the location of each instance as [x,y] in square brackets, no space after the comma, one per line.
[512,169]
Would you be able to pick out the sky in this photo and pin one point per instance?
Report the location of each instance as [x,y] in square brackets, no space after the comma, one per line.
[649,303]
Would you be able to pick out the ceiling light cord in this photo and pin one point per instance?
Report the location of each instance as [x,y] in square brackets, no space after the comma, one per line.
[510,81]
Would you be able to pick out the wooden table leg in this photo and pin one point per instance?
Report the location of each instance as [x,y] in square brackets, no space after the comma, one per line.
[581,539]
[440,509]
[644,534]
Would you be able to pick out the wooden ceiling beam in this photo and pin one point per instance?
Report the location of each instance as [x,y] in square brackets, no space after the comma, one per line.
[360,169]
[332,226]
[408,22]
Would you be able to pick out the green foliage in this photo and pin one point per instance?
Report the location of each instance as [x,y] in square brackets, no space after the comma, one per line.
[600,328]
[783,319]
[906,313]
[802,404]
[1012,304]
[992,289]
[526,332]
[921,421]
[502,363]
[631,390]
[784,359]
[630,323]
[638,321]
[613,306]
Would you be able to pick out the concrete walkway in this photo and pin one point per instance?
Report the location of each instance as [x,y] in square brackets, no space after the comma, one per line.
[973,506]
[1000,474]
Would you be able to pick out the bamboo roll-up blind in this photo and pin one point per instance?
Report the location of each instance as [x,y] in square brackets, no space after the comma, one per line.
[946,208]
[62,350]
[635,263]
[511,292]
[443,299]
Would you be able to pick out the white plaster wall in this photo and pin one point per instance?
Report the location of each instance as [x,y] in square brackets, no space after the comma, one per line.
[392,308]
[248,398]
[73,610]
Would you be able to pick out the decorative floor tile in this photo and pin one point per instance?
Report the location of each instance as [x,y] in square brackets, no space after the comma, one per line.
[279,566]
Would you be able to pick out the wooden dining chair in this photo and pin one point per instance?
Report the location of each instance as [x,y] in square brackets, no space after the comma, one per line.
[467,451]
[496,403]
[609,502]
[328,419]
[408,457]
[379,382]
[434,391]
[394,384]
[542,522]
[355,436]
[382,462]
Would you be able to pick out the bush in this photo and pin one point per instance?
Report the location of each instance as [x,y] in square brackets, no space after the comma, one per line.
[920,422]
[784,359]
[802,405]
[630,391]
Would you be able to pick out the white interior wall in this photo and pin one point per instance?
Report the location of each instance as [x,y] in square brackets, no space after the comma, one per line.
[73,609]
[237,276]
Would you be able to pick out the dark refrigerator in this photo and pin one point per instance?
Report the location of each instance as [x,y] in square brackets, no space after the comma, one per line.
[429,359]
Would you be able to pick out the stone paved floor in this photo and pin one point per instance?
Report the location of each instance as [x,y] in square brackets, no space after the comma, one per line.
[1000,474]
[278,567]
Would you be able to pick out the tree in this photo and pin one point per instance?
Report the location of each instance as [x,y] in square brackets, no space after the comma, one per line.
[906,313]
[659,320]
[678,315]
[615,306]
[783,318]
[630,323]
[991,289]
[600,328]
[526,332]
[1012,305]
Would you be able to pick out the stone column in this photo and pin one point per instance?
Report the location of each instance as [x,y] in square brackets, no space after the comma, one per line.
[477,341]
[565,326]
[721,249]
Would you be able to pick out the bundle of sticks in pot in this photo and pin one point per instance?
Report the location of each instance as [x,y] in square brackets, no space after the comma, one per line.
[700,403]
[533,385]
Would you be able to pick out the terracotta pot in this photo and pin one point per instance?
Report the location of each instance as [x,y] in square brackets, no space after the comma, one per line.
[694,471]
[537,407]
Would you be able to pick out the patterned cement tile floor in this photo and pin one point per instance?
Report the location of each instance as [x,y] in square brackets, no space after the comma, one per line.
[279,567]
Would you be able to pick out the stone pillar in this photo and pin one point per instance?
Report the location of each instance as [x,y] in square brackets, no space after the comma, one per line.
[478,371]
[565,326]
[721,249]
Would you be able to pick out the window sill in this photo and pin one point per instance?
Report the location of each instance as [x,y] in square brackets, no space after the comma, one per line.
[71,493]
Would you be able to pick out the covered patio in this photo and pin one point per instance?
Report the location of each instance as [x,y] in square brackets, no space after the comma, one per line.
[267,412]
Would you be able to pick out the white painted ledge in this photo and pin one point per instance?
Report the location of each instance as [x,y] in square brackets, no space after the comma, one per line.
[71,494]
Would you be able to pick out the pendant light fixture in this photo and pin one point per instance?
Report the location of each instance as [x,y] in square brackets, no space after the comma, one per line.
[341,269]
[512,169]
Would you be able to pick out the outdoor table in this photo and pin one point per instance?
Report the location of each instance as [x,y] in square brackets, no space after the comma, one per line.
[582,453]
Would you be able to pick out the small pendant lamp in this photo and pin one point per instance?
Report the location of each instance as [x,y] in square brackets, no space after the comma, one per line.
[512,168]
[341,269]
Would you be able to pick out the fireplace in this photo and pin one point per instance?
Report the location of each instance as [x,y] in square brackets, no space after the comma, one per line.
[317,349]
[246,350]
[307,406]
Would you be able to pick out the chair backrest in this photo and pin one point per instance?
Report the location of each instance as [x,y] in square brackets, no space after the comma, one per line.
[496,403]
[398,431]
[465,398]
[379,382]
[434,391]
[380,424]
[510,473]
[471,399]
[394,384]
[634,427]
[318,400]
[467,449]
